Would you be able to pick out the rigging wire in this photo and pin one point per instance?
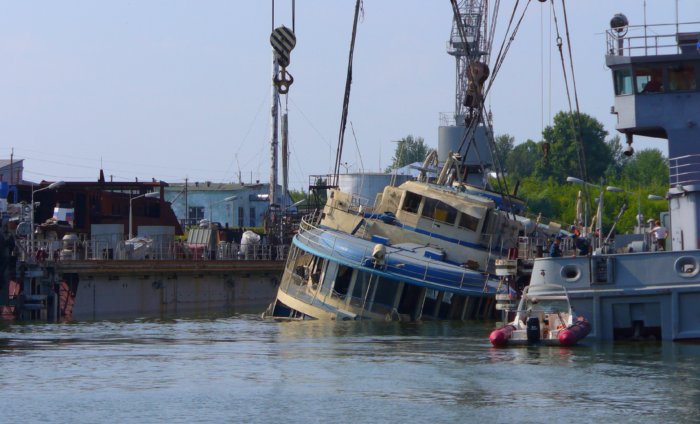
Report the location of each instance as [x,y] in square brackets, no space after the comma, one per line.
[346,98]
[574,117]
[486,120]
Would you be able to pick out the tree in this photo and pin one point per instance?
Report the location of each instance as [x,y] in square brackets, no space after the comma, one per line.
[408,150]
[614,171]
[504,146]
[522,159]
[647,167]
[561,141]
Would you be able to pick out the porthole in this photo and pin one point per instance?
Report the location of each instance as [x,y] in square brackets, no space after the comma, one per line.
[571,273]
[687,266]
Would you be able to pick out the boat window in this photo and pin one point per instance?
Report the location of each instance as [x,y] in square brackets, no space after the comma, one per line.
[385,294]
[439,211]
[342,281]
[623,81]
[649,80]
[681,77]
[361,289]
[411,202]
[469,222]
[328,277]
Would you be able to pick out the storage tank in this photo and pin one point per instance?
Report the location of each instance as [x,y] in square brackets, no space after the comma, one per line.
[368,185]
[450,139]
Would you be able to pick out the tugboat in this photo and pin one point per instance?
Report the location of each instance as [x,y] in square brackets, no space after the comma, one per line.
[647,294]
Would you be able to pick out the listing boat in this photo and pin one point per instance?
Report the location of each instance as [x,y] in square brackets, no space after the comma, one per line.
[425,249]
[429,255]
[543,316]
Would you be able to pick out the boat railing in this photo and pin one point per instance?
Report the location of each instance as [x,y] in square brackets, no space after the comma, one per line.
[336,244]
[653,40]
[684,170]
[46,251]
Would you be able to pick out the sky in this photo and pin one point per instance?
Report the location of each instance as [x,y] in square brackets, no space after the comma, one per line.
[175,89]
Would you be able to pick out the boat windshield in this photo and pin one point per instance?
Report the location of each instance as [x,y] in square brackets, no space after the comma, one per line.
[546,305]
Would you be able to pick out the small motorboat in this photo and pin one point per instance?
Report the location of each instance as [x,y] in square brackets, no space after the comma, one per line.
[543,316]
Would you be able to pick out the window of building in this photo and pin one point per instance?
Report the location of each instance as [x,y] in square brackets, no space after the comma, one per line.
[411,202]
[649,80]
[681,77]
[241,216]
[195,213]
[623,81]
[253,221]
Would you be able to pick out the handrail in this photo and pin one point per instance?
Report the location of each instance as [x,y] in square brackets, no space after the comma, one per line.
[644,40]
[684,170]
[327,240]
[44,251]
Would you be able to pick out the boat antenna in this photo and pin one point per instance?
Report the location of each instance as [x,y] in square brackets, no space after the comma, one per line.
[346,99]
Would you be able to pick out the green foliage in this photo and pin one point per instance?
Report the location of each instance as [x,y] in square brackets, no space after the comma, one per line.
[563,157]
[504,146]
[408,150]
[647,168]
[521,161]
[543,178]
[297,195]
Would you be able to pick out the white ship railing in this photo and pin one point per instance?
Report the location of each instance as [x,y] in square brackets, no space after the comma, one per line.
[650,40]
[335,243]
[684,170]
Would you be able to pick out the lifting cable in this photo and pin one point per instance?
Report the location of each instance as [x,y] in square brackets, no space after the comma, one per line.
[575,118]
[502,183]
[480,118]
[346,100]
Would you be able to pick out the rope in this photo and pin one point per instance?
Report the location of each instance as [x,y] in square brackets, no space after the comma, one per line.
[346,99]
[574,118]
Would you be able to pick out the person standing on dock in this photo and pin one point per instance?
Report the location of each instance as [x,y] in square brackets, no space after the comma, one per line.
[660,233]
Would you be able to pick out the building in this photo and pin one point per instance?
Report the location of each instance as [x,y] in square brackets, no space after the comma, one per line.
[230,204]
[12,171]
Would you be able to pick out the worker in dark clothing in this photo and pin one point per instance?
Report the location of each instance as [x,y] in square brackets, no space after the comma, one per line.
[554,249]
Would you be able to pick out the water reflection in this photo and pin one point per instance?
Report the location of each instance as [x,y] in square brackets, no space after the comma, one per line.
[235,368]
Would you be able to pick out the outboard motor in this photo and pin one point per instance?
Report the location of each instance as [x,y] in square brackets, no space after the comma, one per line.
[533,330]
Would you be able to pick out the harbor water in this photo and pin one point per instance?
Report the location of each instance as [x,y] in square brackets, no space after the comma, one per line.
[244,369]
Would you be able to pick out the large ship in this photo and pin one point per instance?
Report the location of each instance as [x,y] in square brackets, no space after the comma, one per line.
[648,294]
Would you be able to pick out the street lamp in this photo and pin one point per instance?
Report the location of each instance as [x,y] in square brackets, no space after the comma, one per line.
[51,186]
[150,195]
[599,214]
[211,205]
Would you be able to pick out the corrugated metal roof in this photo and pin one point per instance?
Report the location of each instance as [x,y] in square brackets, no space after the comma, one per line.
[203,186]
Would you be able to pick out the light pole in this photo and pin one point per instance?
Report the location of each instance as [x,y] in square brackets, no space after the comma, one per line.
[51,186]
[150,195]
[599,214]
[640,217]
[211,205]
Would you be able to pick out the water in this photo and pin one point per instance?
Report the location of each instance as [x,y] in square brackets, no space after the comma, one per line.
[243,369]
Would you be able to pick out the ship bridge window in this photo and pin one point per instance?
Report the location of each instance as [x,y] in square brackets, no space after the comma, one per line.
[623,81]
[411,202]
[681,77]
[439,211]
[469,222]
[648,80]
